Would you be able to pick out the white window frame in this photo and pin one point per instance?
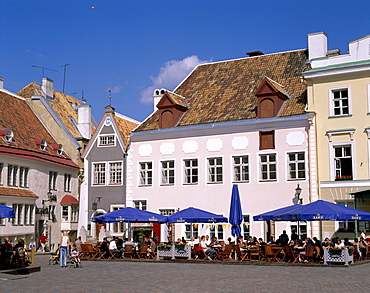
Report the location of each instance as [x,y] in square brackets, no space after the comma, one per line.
[215,168]
[246,232]
[53,180]
[296,162]
[67,182]
[118,174]
[117,228]
[1,174]
[240,165]
[23,177]
[331,101]
[217,230]
[96,179]
[12,175]
[332,156]
[188,171]
[167,212]
[268,164]
[368,98]
[145,175]
[168,173]
[103,137]
[140,203]
[65,207]
[192,231]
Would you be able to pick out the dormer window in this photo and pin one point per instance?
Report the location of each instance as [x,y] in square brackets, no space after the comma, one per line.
[171,108]
[41,143]
[7,134]
[106,140]
[58,148]
[270,98]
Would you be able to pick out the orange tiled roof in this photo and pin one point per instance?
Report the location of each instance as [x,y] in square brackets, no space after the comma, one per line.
[177,99]
[17,192]
[125,126]
[61,104]
[224,91]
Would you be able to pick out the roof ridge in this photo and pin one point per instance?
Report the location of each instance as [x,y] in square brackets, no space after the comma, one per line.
[127,118]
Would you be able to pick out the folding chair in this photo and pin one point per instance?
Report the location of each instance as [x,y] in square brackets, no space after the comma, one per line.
[310,251]
[128,252]
[254,254]
[291,257]
[142,254]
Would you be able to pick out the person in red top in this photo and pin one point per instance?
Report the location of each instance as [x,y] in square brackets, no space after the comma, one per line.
[43,242]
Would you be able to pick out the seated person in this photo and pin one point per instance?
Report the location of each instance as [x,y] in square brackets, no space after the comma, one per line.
[347,242]
[362,246]
[271,240]
[75,253]
[206,249]
[119,244]
[104,247]
[326,242]
[338,243]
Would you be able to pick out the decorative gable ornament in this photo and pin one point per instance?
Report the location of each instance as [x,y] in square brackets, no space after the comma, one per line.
[270,98]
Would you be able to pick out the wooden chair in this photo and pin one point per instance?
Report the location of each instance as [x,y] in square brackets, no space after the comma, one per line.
[194,251]
[269,254]
[142,254]
[84,252]
[290,256]
[254,254]
[310,253]
[19,258]
[225,254]
[128,252]
[240,255]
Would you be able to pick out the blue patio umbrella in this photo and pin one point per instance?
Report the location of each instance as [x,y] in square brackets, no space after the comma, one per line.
[6,212]
[276,215]
[194,215]
[130,215]
[235,215]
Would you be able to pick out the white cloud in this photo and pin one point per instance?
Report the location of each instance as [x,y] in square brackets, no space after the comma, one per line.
[170,75]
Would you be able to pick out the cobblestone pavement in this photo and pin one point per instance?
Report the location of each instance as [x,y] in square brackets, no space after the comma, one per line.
[126,276]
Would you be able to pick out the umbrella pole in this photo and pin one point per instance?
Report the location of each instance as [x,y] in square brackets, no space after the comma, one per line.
[322,238]
[298,231]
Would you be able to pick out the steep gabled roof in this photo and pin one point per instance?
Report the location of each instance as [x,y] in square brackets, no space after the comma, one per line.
[177,99]
[125,126]
[224,91]
[62,104]
[15,114]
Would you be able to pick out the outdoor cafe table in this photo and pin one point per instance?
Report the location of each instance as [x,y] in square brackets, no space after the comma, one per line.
[277,250]
[175,251]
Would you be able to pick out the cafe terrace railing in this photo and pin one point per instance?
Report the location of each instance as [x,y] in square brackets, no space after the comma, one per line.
[173,251]
[338,255]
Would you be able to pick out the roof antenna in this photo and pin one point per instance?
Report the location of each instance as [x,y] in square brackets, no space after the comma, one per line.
[43,70]
[64,79]
[83,94]
[110,97]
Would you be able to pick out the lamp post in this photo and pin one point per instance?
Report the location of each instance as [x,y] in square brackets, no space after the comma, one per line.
[298,200]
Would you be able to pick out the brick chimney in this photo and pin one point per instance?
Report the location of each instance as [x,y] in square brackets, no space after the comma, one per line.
[1,83]
[48,87]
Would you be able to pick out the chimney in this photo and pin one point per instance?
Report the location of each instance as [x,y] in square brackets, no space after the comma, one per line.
[158,93]
[48,87]
[84,120]
[1,83]
[317,45]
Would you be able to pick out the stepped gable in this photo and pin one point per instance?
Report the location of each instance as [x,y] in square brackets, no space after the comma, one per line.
[225,91]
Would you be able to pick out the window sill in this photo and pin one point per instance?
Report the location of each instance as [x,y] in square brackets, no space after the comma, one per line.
[271,180]
[145,185]
[298,179]
[171,184]
[190,183]
[340,116]
[244,181]
[220,182]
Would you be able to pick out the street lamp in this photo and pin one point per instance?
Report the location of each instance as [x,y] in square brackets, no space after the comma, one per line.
[297,199]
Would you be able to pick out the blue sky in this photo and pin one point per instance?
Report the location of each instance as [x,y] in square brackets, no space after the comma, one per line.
[135,46]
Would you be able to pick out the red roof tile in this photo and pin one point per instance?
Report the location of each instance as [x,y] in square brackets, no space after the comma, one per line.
[17,192]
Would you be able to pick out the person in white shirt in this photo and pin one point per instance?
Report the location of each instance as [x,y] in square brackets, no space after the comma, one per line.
[205,248]
[207,240]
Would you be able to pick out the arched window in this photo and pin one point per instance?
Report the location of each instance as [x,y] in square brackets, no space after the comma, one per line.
[166,119]
[267,108]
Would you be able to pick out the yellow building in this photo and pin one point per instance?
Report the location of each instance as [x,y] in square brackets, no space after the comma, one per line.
[339,95]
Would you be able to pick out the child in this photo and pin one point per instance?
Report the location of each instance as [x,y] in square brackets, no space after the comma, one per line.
[75,253]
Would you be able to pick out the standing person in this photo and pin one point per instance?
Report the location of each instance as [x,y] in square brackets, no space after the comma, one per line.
[363,235]
[284,238]
[43,239]
[65,242]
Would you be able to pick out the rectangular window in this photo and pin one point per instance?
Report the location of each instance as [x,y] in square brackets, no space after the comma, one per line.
[1,173]
[191,171]
[140,204]
[20,214]
[267,140]
[350,225]
[241,169]
[65,214]
[106,140]
[191,230]
[168,172]
[67,182]
[118,227]
[216,231]
[297,166]
[99,174]
[26,214]
[343,163]
[53,180]
[246,228]
[23,177]
[340,102]
[115,173]
[146,173]
[15,219]
[74,213]
[268,167]
[32,215]
[12,175]
[215,170]
[166,212]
